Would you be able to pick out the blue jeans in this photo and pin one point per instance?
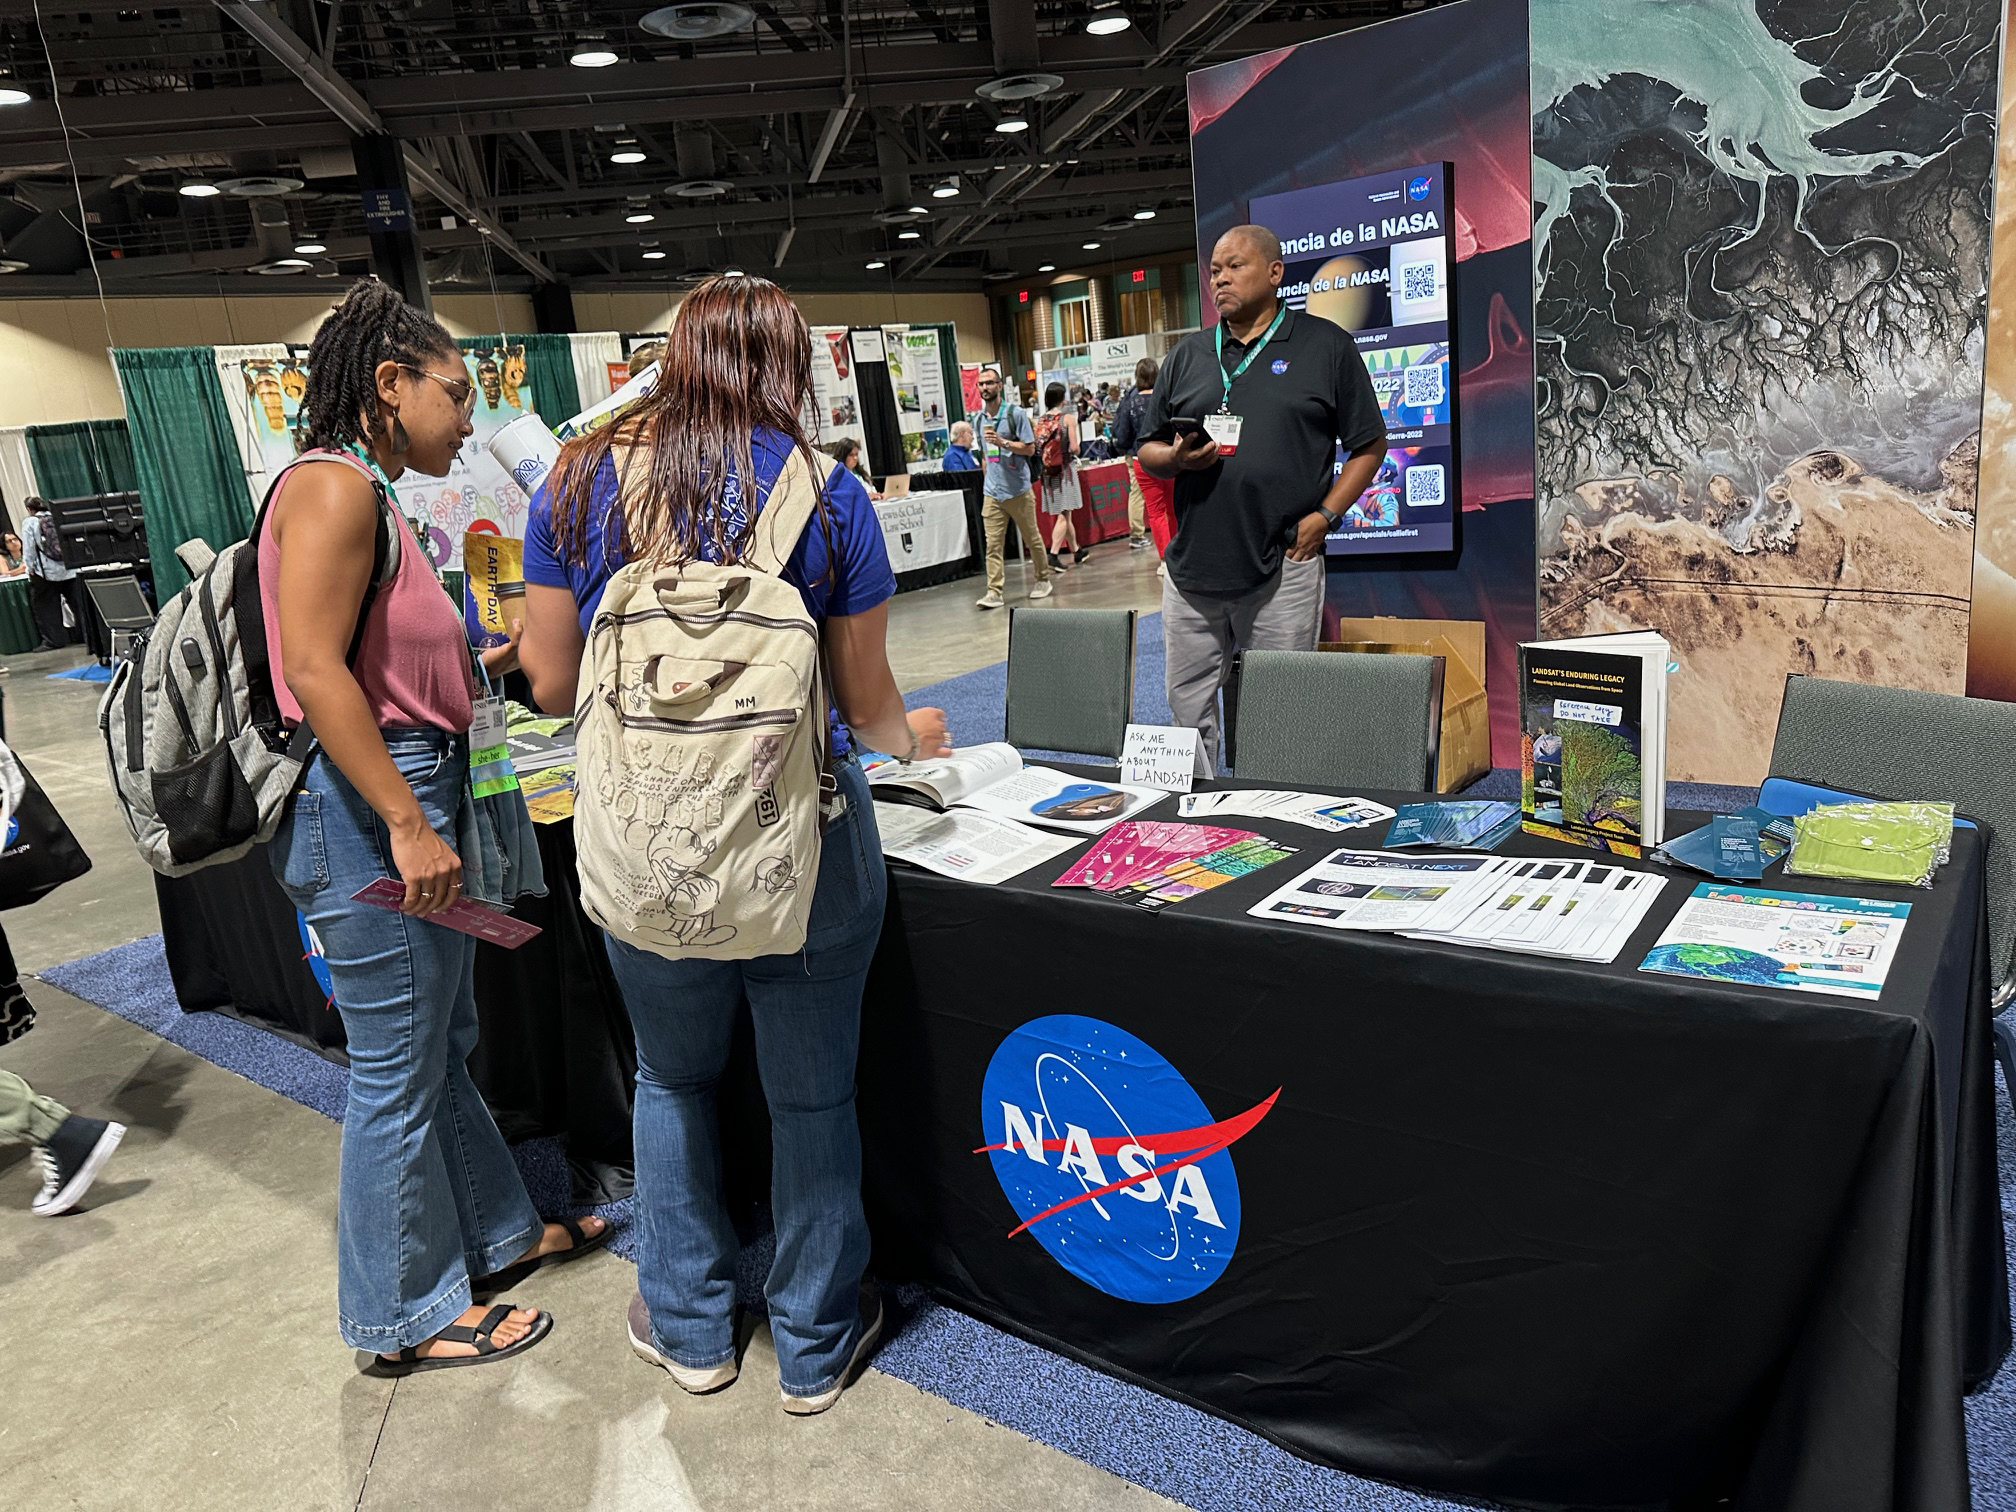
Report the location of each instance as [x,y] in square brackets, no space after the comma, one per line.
[807,1013]
[429,1195]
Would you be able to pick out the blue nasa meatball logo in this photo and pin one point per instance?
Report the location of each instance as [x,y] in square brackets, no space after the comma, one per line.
[1110,1159]
[318,964]
[1417,188]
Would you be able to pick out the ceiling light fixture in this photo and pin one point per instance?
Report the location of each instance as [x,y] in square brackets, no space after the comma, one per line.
[909,236]
[1107,20]
[653,255]
[592,55]
[13,94]
[697,20]
[1009,125]
[878,263]
[293,262]
[947,189]
[1144,215]
[731,272]
[639,218]
[1046,267]
[1091,246]
[201,189]
[918,209]
[12,265]
[310,249]
[627,156]
[1022,86]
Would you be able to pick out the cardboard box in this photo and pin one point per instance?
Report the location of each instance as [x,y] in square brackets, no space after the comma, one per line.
[1466,711]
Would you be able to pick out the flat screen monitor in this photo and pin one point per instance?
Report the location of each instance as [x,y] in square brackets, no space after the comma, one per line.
[1374,255]
[120,603]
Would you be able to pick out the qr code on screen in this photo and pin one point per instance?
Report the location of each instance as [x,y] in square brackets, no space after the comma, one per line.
[1424,485]
[1417,280]
[1422,385]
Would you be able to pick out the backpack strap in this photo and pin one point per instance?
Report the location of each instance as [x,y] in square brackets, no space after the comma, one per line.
[387,551]
[794,498]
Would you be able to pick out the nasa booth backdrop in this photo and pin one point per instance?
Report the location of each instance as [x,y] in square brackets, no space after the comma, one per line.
[1393,163]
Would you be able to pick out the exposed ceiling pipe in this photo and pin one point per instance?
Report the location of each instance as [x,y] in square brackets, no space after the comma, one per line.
[1012,24]
[693,148]
[894,165]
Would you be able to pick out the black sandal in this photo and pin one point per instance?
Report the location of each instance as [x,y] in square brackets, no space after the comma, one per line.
[410,1362]
[518,1270]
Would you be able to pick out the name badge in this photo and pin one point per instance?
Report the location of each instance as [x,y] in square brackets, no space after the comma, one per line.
[490,768]
[1224,429]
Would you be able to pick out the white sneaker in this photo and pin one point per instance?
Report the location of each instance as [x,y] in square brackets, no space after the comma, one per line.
[988,600]
[1139,543]
[699,1382]
[1043,589]
[870,1336]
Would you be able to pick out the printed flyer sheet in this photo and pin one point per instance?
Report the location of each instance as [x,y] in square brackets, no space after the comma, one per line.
[1374,890]
[961,843]
[992,777]
[1804,941]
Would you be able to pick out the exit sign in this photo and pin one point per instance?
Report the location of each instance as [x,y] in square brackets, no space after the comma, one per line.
[1023,297]
[1139,275]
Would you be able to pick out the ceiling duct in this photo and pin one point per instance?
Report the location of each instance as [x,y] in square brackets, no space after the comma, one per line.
[693,149]
[273,236]
[698,20]
[1012,24]
[894,165]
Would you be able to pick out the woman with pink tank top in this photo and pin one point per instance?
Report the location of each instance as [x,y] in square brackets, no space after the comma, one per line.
[429,1200]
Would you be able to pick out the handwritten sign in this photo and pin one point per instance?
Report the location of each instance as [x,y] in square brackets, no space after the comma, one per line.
[1159,756]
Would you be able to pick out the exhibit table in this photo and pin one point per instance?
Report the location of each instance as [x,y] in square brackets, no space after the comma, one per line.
[1501,1226]
[1103,515]
[927,538]
[17,617]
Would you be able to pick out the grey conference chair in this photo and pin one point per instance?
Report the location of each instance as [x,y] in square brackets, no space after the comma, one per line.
[1895,743]
[1336,719]
[1070,679]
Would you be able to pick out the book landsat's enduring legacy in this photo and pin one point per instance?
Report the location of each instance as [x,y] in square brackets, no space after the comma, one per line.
[1592,725]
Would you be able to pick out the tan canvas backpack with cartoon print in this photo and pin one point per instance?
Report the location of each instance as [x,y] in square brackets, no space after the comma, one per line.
[702,744]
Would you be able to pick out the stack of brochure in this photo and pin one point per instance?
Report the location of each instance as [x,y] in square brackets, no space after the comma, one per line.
[1155,863]
[1466,825]
[963,843]
[1578,910]
[1316,810]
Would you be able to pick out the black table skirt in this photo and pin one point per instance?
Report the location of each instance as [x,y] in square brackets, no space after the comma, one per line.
[1542,1232]
[1547,1233]
[555,1055]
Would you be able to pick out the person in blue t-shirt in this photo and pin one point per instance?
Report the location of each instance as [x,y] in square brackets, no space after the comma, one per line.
[701,455]
[959,455]
[1008,442]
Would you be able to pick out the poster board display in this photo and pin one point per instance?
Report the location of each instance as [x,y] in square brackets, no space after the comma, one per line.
[477,494]
[917,379]
[836,397]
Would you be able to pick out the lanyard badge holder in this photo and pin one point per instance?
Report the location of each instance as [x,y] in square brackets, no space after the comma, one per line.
[1224,427]
[490,769]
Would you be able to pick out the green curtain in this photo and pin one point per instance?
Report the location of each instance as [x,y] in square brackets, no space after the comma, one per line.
[81,457]
[17,620]
[549,371]
[191,476]
[948,360]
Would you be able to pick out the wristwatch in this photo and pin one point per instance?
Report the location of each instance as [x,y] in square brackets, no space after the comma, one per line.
[1331,520]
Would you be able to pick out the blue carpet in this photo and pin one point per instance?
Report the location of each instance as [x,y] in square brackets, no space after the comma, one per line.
[1175,1451]
[90,672]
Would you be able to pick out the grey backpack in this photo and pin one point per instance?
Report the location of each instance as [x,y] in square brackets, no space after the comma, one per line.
[200,760]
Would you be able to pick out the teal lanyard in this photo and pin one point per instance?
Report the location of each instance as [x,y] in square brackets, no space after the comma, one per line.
[357,451]
[1245,362]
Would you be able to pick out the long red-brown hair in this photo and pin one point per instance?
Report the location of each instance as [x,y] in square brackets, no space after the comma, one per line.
[738,359]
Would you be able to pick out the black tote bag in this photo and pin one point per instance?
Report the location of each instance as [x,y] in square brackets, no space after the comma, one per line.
[39,853]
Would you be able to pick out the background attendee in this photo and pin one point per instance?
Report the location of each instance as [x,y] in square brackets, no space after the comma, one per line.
[959,455]
[429,1199]
[12,562]
[1057,475]
[1150,508]
[847,453]
[51,582]
[1008,441]
[70,1148]
[1256,495]
[645,355]
[707,449]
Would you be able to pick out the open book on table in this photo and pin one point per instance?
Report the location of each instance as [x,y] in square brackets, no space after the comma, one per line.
[992,779]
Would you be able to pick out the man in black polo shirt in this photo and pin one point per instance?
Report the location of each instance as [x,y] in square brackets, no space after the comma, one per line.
[1258,489]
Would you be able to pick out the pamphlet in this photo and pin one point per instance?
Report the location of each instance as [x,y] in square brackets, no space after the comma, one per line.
[1473,825]
[464,915]
[991,778]
[1805,941]
[962,843]
[1593,740]
[1146,853]
[1186,879]
[1316,810]
[1373,890]
[1696,850]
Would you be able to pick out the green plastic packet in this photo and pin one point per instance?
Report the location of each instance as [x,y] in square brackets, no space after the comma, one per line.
[1900,843]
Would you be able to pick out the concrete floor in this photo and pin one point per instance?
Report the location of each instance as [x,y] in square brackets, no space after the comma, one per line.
[173,1344]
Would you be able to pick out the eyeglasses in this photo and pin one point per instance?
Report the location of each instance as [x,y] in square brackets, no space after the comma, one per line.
[461,390]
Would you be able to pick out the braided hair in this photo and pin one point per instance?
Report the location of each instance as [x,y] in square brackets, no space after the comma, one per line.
[372,325]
